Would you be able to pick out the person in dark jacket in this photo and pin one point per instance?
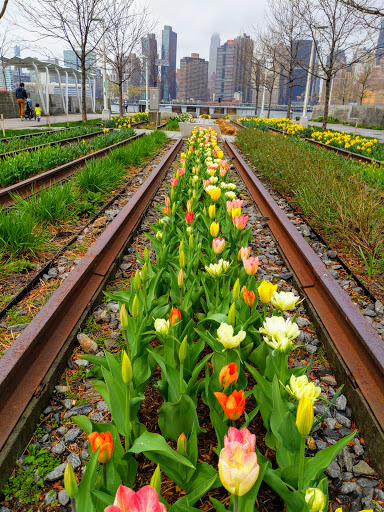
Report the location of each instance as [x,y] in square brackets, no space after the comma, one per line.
[21,96]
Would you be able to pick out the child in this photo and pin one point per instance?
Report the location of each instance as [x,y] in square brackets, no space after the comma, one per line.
[38,112]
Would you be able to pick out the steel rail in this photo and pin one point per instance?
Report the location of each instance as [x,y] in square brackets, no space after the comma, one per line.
[359,346]
[26,375]
[31,186]
[27,135]
[62,142]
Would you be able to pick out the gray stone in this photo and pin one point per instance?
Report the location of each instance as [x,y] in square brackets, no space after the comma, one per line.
[50,496]
[302,322]
[82,362]
[63,497]
[346,458]
[52,272]
[311,348]
[333,470]
[366,501]
[56,474]
[61,431]
[341,403]
[362,468]
[79,409]
[367,482]
[334,274]
[331,422]
[357,448]
[377,492]
[102,406]
[368,312]
[72,434]
[89,346]
[4,509]
[285,275]
[101,316]
[346,422]
[329,379]
[77,261]
[17,328]
[74,460]
[84,455]
[321,445]
[379,307]
[331,254]
[58,448]
[46,277]
[109,343]
[347,476]
[349,487]
[67,403]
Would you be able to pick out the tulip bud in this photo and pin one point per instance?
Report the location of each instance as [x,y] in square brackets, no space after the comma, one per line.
[191,241]
[144,273]
[156,480]
[214,229]
[180,278]
[304,415]
[212,211]
[236,290]
[232,315]
[136,307]
[189,206]
[174,316]
[182,445]
[126,369]
[189,230]
[204,210]
[146,255]
[315,500]
[137,281]
[194,193]
[70,482]
[181,246]
[182,259]
[183,350]
[159,235]
[123,317]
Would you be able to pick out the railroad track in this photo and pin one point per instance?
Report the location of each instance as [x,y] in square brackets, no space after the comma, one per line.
[31,186]
[30,367]
[28,135]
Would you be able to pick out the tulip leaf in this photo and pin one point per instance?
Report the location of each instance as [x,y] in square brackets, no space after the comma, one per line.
[204,478]
[171,376]
[102,499]
[219,507]
[178,418]
[221,428]
[247,501]
[83,497]
[292,498]
[215,317]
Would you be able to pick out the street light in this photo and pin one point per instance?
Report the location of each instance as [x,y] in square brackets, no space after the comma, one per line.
[304,118]
[146,84]
[262,113]
[106,114]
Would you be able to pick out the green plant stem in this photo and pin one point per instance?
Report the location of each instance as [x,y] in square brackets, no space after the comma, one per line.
[236,504]
[301,464]
[181,377]
[73,504]
[282,369]
[181,297]
[128,417]
[105,475]
[217,293]
[125,335]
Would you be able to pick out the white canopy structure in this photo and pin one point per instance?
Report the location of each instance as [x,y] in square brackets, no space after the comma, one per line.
[49,67]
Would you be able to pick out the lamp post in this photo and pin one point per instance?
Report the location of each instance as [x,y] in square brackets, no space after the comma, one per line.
[262,113]
[106,114]
[304,118]
[146,85]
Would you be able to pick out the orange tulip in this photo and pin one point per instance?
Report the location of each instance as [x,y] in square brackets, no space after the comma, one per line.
[248,296]
[105,442]
[228,374]
[233,405]
[166,210]
[174,316]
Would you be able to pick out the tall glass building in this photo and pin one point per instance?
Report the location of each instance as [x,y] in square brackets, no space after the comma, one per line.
[168,63]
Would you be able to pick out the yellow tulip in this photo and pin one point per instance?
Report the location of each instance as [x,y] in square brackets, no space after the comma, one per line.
[304,416]
[266,290]
[212,211]
[214,193]
[214,229]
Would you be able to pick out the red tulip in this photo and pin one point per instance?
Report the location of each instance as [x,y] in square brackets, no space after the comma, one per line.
[228,374]
[233,405]
[189,217]
[174,316]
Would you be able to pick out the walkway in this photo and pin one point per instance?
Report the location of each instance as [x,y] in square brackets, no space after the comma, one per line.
[18,124]
[378,134]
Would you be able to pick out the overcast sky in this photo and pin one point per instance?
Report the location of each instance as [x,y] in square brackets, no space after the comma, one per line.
[193,21]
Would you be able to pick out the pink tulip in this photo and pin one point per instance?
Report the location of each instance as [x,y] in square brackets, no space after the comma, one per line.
[167,201]
[240,221]
[206,183]
[238,468]
[218,245]
[242,436]
[223,171]
[174,182]
[237,203]
[144,500]
[244,252]
[229,207]
[181,171]
[250,265]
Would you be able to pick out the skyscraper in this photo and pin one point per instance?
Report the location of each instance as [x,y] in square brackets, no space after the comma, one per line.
[168,63]
[380,45]
[193,78]
[215,43]
[243,62]
[149,51]
[16,51]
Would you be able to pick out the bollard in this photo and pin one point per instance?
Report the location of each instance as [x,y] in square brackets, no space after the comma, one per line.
[2,124]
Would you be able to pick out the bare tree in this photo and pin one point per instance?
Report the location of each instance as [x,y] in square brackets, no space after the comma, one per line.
[72,21]
[127,25]
[271,69]
[365,79]
[251,62]
[337,40]
[2,12]
[343,87]
[365,6]
[6,43]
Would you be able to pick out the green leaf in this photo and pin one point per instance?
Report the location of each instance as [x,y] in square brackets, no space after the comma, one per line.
[178,418]
[219,507]
[247,501]
[149,442]
[204,478]
[83,497]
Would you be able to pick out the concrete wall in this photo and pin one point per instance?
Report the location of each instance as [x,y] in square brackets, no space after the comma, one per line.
[9,109]
[363,114]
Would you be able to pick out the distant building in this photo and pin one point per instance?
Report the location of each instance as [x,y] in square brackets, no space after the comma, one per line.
[16,51]
[149,51]
[168,63]
[71,60]
[52,60]
[6,79]
[215,43]
[243,71]
[380,45]
[193,78]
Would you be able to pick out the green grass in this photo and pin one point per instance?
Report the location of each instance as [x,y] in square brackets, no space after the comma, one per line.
[90,122]
[172,125]
[20,234]
[16,133]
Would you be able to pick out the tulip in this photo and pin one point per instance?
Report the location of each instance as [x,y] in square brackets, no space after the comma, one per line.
[162,326]
[233,405]
[223,172]
[174,182]
[244,252]
[189,217]
[166,210]
[105,442]
[284,300]
[135,306]
[181,246]
[226,337]
[189,230]
[212,211]
[304,416]
[228,375]
[248,296]
[214,193]
[266,290]
[232,315]
[220,154]
[70,483]
[206,183]
[182,444]
[214,229]
[218,245]
[300,386]
[144,500]
[180,278]
[236,290]
[159,235]
[144,272]
[240,221]
[124,317]
[182,259]
[174,316]
[189,205]
[126,369]
[191,241]
[243,436]
[182,155]
[236,212]
[230,195]
[217,269]
[277,328]
[250,265]
[315,500]
[167,201]
[183,350]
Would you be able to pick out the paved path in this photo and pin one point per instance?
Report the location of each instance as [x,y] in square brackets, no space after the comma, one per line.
[18,124]
[378,134]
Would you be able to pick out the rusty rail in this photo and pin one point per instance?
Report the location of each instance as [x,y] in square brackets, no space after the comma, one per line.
[31,186]
[349,335]
[31,366]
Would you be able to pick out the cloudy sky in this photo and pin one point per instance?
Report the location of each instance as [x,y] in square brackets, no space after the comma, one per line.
[193,21]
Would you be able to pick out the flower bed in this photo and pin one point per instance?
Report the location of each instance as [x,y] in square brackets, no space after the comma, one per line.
[355,143]
[198,313]
[126,121]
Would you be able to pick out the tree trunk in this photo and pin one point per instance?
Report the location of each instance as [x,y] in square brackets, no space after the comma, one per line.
[290,95]
[269,104]
[120,77]
[83,104]
[257,98]
[326,104]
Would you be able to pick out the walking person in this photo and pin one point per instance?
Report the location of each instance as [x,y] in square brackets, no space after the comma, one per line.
[21,96]
[38,112]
